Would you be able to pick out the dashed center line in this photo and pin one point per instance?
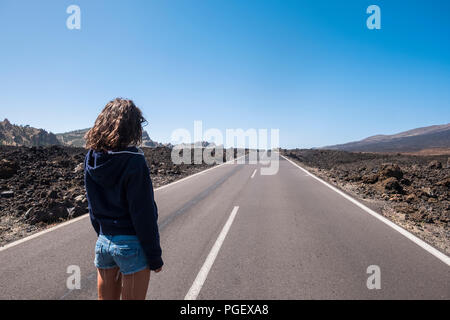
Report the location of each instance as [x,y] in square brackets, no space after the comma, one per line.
[254,172]
[203,273]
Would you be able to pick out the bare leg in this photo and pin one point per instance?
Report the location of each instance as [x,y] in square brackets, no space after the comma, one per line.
[109,284]
[134,286]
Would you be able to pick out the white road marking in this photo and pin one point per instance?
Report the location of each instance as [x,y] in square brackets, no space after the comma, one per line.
[198,173]
[254,172]
[15,243]
[203,273]
[441,256]
[35,235]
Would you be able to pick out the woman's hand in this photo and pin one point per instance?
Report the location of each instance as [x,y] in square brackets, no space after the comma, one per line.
[158,270]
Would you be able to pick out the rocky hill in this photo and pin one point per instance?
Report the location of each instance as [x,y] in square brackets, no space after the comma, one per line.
[73,138]
[15,135]
[147,142]
[76,139]
[416,140]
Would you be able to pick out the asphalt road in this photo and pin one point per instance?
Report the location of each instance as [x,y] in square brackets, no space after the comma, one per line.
[232,233]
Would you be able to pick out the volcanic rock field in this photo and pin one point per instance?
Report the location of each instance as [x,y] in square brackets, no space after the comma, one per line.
[41,186]
[412,190]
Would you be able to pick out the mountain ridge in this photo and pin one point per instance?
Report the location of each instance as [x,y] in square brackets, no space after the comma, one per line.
[413,140]
[18,135]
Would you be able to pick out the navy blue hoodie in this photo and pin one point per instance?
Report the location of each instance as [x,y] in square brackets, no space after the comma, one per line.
[120,197]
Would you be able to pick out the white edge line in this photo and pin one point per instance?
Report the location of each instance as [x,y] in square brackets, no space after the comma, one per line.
[196,174]
[63,224]
[203,273]
[254,172]
[15,243]
[438,254]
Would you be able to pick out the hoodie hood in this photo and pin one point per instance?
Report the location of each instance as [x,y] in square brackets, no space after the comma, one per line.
[106,168]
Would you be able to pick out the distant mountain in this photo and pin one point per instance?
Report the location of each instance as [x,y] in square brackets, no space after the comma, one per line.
[147,142]
[73,138]
[15,135]
[415,140]
[198,144]
[76,139]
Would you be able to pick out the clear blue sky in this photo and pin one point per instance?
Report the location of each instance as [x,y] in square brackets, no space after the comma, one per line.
[310,68]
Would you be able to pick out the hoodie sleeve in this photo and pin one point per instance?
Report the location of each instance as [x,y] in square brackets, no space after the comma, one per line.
[94,222]
[143,211]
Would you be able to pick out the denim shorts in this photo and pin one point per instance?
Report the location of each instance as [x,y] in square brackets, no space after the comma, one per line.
[123,251]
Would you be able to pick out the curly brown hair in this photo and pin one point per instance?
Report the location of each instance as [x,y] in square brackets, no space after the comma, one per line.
[117,126]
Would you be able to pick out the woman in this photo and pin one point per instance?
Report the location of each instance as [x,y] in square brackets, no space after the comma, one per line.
[121,204]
